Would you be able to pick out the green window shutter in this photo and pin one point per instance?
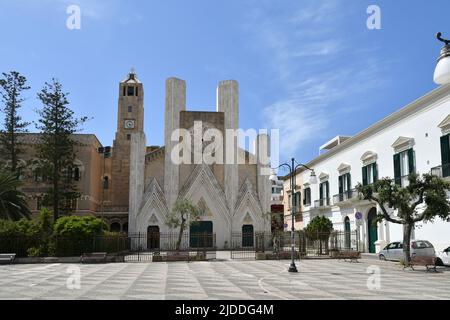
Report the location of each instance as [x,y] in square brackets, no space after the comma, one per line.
[375,172]
[445,155]
[397,170]
[341,185]
[411,161]
[304,196]
[328,189]
[309,195]
[321,191]
[364,175]
[349,181]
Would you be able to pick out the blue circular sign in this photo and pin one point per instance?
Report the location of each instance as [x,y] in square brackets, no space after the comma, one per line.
[358,215]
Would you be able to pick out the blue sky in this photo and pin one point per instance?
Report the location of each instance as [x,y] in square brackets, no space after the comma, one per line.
[309,68]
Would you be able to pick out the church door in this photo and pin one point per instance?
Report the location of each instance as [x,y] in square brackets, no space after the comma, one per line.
[201,234]
[247,235]
[153,237]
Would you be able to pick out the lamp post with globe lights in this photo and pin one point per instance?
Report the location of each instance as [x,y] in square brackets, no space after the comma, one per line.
[312,180]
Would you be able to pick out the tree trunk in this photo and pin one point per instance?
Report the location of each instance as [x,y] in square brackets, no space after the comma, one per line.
[180,235]
[407,230]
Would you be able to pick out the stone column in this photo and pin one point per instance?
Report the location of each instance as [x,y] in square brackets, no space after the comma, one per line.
[228,103]
[137,178]
[175,102]
[263,172]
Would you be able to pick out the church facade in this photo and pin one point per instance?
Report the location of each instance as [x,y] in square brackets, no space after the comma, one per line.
[234,196]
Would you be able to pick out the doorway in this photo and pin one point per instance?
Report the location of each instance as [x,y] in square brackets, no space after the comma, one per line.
[347,233]
[201,234]
[153,237]
[372,229]
[247,235]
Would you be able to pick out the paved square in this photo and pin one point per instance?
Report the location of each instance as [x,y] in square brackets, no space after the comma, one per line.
[224,280]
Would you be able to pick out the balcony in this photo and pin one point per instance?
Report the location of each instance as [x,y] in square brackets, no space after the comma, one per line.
[322,203]
[441,171]
[346,196]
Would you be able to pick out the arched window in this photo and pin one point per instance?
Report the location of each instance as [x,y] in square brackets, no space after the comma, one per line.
[115,227]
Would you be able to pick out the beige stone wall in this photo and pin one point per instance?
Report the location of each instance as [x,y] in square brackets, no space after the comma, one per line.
[154,166]
[90,172]
[210,120]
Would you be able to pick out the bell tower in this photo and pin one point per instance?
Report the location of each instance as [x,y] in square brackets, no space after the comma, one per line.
[130,119]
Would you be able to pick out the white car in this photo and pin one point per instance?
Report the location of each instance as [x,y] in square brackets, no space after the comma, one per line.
[394,250]
[443,257]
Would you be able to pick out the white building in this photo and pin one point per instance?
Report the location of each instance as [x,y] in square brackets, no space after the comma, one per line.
[413,139]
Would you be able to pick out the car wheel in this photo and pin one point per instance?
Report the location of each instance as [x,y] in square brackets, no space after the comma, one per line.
[439,262]
[382,257]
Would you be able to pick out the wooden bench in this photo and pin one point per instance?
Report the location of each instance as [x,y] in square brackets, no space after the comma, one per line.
[351,255]
[95,257]
[426,261]
[7,258]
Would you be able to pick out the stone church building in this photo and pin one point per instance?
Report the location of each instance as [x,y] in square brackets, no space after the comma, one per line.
[134,186]
[233,196]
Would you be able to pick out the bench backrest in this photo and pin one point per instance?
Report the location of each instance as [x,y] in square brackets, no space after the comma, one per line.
[8,255]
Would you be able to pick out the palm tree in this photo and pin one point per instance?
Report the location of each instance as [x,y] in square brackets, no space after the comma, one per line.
[13,204]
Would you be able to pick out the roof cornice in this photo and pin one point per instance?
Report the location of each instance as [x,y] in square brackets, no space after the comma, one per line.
[417,105]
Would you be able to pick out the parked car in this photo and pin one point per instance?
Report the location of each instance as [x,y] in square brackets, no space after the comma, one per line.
[443,257]
[394,250]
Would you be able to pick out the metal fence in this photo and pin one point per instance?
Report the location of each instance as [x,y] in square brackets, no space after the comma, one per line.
[279,245]
[133,247]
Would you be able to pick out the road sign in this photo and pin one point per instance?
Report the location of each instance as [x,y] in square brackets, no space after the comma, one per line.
[358,215]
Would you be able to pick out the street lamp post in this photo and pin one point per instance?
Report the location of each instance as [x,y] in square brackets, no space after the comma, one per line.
[313,180]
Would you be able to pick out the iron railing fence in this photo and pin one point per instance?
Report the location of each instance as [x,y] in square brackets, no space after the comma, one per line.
[121,244]
[247,246]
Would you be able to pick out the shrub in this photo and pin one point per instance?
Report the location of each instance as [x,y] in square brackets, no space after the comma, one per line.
[74,235]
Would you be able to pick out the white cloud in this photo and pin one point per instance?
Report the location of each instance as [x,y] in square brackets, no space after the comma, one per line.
[314,64]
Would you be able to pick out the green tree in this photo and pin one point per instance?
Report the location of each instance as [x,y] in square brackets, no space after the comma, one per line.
[183,214]
[56,149]
[12,86]
[319,229]
[424,199]
[13,204]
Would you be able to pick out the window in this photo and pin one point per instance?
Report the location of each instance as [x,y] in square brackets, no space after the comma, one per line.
[130,108]
[105,182]
[128,136]
[345,186]
[76,174]
[324,193]
[307,197]
[39,175]
[403,166]
[130,91]
[445,155]
[71,204]
[370,174]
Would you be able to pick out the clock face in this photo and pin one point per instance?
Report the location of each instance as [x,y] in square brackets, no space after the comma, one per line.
[129,124]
